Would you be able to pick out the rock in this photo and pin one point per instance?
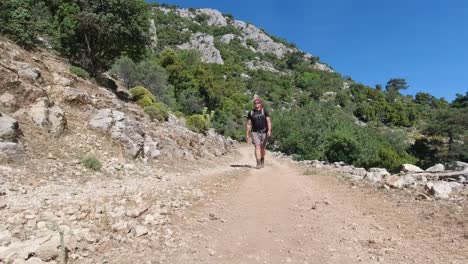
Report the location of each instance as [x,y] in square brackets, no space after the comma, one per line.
[103,119]
[376,175]
[328,96]
[436,168]
[21,250]
[153,34]
[32,260]
[461,166]
[12,151]
[73,95]
[49,116]
[456,186]
[5,238]
[205,44]
[440,190]
[265,43]
[27,71]
[49,250]
[228,38]
[9,128]
[462,179]
[410,168]
[322,67]
[216,18]
[8,101]
[141,231]
[399,182]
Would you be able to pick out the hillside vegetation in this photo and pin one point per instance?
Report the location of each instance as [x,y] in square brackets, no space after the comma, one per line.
[206,67]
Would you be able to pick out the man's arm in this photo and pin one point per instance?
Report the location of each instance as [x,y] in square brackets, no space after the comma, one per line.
[248,126]
[269,126]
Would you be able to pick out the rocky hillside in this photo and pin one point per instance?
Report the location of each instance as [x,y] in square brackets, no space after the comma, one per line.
[226,30]
[62,138]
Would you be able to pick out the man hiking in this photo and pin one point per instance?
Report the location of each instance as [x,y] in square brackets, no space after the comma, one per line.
[259,123]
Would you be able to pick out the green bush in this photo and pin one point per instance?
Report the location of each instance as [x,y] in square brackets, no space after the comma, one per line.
[91,162]
[79,72]
[198,123]
[179,114]
[157,111]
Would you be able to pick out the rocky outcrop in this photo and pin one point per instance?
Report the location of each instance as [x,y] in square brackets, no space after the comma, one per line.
[153,34]
[27,71]
[265,43]
[436,168]
[205,44]
[215,18]
[260,65]
[376,175]
[12,151]
[410,168]
[9,128]
[45,114]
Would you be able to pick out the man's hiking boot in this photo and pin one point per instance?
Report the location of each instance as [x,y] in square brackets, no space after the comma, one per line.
[259,165]
[262,162]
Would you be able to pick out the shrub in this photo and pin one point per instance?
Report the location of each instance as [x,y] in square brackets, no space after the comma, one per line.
[157,111]
[91,162]
[79,72]
[142,96]
[179,114]
[198,123]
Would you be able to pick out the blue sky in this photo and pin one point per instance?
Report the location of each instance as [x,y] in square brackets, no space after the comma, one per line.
[423,41]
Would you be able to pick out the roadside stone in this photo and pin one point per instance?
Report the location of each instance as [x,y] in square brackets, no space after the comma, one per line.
[461,166]
[411,168]
[456,186]
[46,114]
[436,168]
[441,190]
[399,182]
[141,231]
[376,175]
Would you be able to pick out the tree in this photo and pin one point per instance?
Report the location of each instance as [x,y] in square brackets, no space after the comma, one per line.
[461,101]
[396,84]
[423,98]
[94,33]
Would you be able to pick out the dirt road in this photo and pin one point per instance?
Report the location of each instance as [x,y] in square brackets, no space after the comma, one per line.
[284,214]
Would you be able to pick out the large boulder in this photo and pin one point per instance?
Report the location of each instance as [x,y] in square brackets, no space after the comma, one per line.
[46,114]
[436,168]
[27,71]
[461,166]
[440,189]
[73,95]
[124,130]
[9,128]
[399,182]
[376,175]
[410,168]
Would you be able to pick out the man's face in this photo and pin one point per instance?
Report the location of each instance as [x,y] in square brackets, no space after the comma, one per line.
[257,105]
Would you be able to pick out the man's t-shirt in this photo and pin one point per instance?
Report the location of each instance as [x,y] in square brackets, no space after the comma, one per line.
[258,120]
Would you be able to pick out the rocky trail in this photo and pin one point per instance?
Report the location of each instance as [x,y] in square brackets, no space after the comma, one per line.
[222,210]
[286,213]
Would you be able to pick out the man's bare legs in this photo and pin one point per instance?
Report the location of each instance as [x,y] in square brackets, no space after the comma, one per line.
[258,155]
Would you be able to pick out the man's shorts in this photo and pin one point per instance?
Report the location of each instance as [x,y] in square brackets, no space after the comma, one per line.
[259,139]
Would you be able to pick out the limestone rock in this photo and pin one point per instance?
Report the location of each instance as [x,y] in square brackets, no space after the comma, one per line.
[152,33]
[9,128]
[411,168]
[49,116]
[12,151]
[376,175]
[228,38]
[27,71]
[8,101]
[73,95]
[440,189]
[399,182]
[265,43]
[461,166]
[205,44]
[436,168]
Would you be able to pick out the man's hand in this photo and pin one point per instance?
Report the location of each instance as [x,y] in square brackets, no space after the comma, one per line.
[269,134]
[247,138]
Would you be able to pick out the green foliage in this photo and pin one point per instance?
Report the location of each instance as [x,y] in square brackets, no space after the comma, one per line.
[461,101]
[79,72]
[23,20]
[198,123]
[94,33]
[157,111]
[91,162]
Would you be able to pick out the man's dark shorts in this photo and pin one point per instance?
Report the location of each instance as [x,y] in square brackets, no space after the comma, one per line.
[259,139]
